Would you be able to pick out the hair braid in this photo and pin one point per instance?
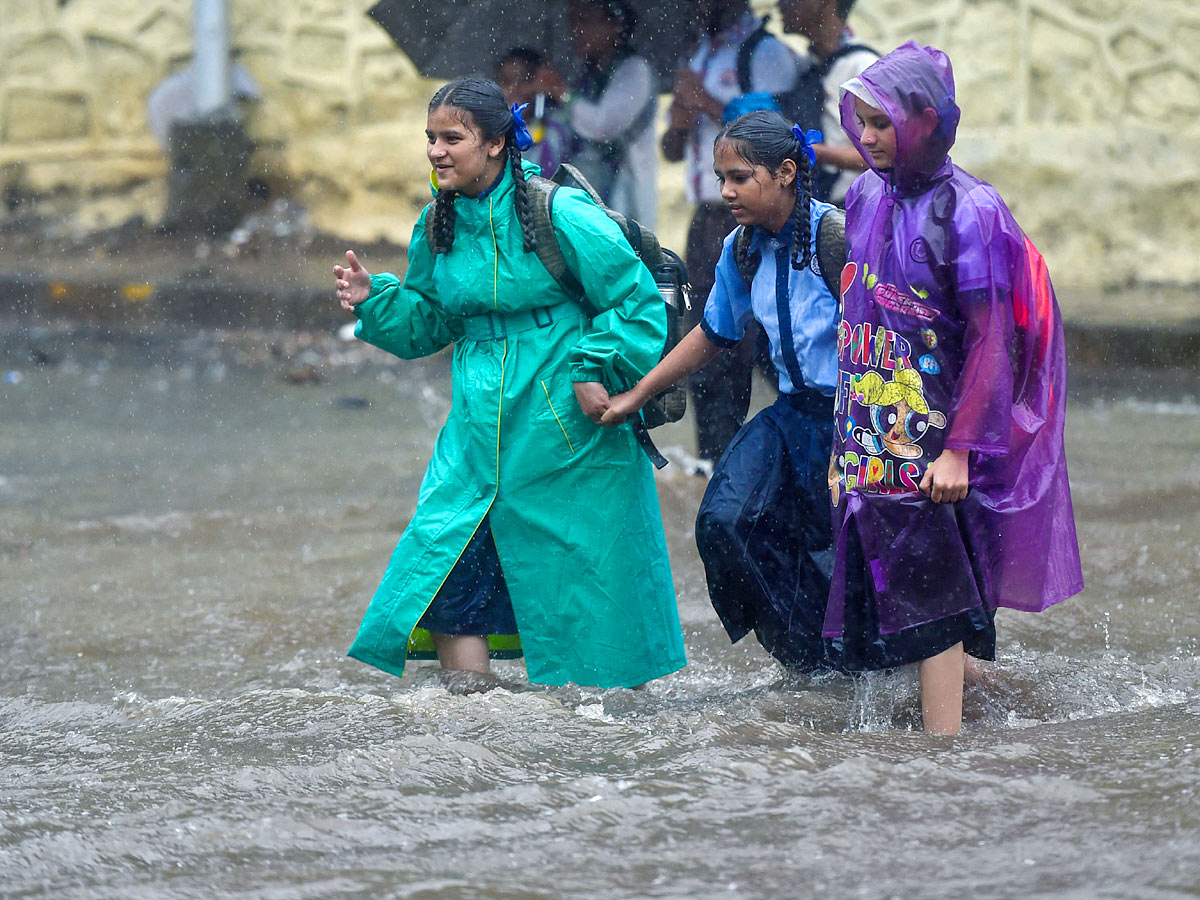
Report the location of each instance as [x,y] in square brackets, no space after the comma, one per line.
[741,249]
[521,198]
[802,217]
[443,220]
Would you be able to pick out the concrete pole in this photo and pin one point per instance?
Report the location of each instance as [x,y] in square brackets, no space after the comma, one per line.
[210,61]
[206,180]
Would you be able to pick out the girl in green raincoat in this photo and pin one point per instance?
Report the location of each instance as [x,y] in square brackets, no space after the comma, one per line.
[536,531]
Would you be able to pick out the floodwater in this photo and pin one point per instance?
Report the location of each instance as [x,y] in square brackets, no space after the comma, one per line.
[188,539]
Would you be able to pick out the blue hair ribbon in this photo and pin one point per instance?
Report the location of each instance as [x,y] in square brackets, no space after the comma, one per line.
[521,136]
[807,139]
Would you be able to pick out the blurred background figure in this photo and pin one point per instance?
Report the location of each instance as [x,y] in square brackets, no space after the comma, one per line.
[834,58]
[525,77]
[611,109]
[733,56]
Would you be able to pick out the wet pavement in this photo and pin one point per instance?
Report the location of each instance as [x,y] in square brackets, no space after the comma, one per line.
[262,279]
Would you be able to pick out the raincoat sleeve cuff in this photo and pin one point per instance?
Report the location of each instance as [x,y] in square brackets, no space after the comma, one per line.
[983,449]
[584,372]
[379,283]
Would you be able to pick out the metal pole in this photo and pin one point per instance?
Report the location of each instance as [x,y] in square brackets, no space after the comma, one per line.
[210,60]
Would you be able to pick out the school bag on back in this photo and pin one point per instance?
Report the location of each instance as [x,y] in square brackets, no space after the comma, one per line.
[804,103]
[829,260]
[670,276]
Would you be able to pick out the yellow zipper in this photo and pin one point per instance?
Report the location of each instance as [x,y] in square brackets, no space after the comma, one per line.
[496,305]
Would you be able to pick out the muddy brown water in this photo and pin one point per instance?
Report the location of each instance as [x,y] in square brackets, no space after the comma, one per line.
[191,525]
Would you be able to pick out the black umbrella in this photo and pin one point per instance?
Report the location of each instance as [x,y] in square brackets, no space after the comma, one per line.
[464,37]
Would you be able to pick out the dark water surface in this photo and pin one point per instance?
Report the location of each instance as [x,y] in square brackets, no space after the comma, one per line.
[189,532]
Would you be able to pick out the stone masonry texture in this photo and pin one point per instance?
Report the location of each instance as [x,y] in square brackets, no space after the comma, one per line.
[1084,113]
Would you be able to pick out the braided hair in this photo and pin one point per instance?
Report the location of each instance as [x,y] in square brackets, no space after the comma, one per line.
[481,103]
[765,138]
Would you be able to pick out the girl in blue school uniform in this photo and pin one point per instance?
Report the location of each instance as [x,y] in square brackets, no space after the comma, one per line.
[765,516]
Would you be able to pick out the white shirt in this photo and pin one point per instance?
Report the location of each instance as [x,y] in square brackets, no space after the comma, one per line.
[635,193]
[773,69]
[843,69]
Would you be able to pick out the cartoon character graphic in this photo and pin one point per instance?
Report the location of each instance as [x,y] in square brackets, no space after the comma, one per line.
[900,417]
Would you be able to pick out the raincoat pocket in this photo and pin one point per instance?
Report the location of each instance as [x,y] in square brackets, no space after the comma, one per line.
[583,443]
[565,413]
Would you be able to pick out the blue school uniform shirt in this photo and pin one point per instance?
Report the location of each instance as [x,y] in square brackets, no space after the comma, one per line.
[804,351]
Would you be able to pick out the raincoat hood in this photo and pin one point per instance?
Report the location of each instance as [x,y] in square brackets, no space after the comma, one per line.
[914,86]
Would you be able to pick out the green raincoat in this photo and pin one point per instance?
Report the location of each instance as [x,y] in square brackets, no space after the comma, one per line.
[572,507]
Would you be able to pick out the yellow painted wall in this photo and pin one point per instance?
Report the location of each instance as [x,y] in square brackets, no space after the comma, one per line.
[1084,113]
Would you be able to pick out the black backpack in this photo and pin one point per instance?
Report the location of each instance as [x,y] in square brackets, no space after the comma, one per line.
[830,256]
[804,103]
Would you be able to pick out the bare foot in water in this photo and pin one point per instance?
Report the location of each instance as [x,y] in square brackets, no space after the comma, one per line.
[464,681]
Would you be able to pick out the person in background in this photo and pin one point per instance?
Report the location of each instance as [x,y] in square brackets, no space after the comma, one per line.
[733,56]
[813,102]
[522,74]
[611,109]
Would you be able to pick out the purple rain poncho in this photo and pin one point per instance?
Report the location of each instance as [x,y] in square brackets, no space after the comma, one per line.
[950,338]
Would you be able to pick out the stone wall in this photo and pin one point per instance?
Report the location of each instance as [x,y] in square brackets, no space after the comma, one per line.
[1084,113]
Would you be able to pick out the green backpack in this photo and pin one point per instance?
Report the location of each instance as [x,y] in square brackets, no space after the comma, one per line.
[830,257]
[670,274]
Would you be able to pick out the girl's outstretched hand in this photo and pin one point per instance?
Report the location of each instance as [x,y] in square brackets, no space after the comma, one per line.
[946,478]
[620,408]
[592,397]
[353,282]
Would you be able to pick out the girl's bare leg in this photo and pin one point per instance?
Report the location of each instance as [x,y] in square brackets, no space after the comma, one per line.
[942,691]
[462,652]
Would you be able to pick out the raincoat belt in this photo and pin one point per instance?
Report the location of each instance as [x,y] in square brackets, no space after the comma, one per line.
[495,326]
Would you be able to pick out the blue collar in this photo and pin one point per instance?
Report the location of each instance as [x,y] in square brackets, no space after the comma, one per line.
[763,240]
[495,184]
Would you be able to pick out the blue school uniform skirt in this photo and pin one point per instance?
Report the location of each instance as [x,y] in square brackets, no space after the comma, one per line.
[764,532]
[474,597]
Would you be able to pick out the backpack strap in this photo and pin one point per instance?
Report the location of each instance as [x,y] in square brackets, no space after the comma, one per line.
[841,51]
[747,262]
[745,54]
[541,193]
[831,249]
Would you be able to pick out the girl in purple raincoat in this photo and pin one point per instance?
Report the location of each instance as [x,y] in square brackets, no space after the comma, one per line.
[948,476]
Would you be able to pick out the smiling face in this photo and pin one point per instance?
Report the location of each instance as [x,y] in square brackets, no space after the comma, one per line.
[461,158]
[752,193]
[878,135]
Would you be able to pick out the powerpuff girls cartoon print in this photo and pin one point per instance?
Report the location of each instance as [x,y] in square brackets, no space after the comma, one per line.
[950,338]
